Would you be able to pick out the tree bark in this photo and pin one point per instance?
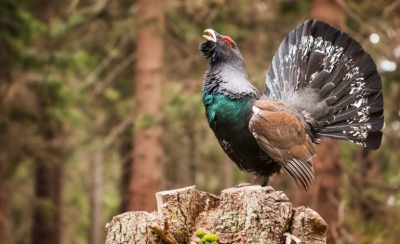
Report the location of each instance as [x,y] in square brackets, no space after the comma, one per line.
[147,152]
[250,214]
[48,191]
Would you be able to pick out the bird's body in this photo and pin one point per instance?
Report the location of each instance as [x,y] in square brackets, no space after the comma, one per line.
[321,83]
[229,118]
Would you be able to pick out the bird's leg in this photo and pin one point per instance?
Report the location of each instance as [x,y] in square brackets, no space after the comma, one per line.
[261,180]
[289,238]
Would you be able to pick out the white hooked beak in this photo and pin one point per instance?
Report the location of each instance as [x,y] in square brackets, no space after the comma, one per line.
[210,35]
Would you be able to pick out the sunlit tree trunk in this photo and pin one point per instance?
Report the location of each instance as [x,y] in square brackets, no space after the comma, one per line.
[325,195]
[96,195]
[148,152]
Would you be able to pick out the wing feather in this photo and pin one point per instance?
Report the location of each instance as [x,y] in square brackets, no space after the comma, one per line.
[281,135]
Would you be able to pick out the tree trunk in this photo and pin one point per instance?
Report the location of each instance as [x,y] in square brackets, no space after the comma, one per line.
[96,196]
[3,207]
[363,200]
[48,193]
[330,12]
[7,55]
[50,155]
[125,152]
[147,151]
[325,195]
[251,214]
[4,160]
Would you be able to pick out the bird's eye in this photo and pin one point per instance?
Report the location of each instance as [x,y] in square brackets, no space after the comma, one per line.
[227,40]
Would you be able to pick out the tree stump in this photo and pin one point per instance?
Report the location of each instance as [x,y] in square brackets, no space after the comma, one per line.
[250,214]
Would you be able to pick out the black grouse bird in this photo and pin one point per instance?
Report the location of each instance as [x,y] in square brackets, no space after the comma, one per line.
[321,83]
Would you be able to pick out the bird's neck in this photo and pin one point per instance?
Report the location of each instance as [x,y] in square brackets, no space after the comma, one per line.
[229,79]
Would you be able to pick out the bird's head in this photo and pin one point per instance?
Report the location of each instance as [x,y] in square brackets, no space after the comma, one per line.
[219,48]
[227,74]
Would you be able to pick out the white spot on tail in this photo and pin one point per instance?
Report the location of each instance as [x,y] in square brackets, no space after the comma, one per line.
[360,132]
[353,72]
[313,76]
[333,53]
[358,85]
[362,116]
[359,143]
[360,102]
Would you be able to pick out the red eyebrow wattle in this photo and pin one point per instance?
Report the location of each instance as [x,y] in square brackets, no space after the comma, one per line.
[227,39]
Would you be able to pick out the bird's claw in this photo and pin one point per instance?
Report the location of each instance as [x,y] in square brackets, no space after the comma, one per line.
[243,185]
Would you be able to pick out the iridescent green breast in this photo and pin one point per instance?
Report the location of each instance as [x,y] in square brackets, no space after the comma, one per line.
[223,111]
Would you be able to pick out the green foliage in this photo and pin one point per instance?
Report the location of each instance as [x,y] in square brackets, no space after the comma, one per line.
[145,121]
[112,94]
[293,8]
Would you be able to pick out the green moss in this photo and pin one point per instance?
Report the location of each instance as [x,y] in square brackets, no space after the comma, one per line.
[210,239]
[200,233]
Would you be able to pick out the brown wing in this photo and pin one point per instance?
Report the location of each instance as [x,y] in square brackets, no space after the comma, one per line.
[281,134]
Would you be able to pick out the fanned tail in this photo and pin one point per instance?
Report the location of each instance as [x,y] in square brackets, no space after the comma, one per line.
[326,76]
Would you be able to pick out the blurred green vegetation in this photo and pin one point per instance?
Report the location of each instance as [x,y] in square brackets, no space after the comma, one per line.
[69,66]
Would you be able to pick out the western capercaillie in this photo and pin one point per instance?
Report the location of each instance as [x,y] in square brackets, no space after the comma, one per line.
[321,83]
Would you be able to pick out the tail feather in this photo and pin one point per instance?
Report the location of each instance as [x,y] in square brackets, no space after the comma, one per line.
[324,72]
[357,133]
[355,81]
[353,113]
[374,125]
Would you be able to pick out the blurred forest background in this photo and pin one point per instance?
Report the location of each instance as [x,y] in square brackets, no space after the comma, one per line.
[100,107]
